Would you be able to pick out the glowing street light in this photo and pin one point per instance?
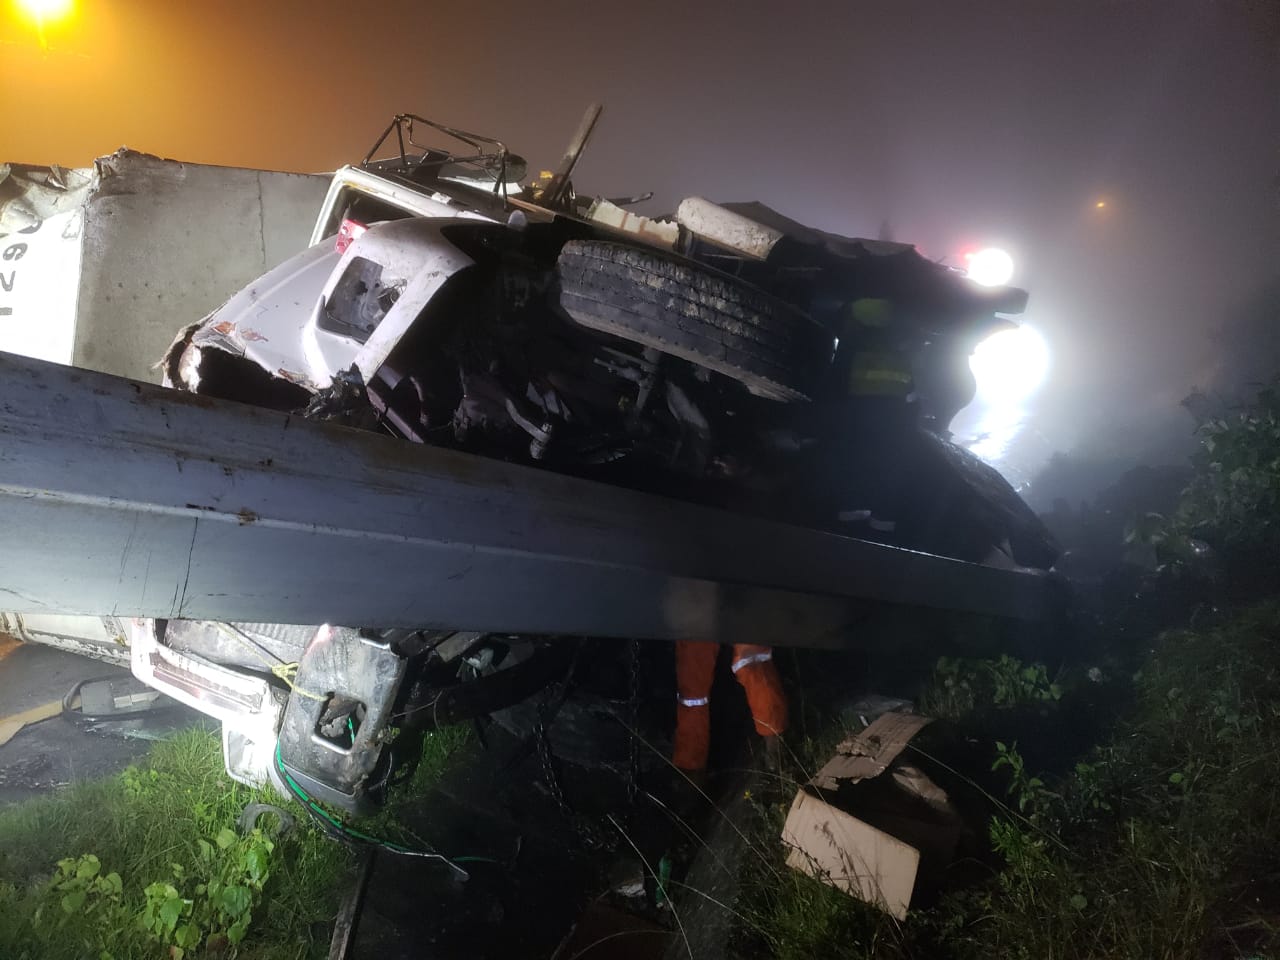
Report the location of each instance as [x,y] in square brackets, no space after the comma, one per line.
[991,267]
[42,11]
[45,11]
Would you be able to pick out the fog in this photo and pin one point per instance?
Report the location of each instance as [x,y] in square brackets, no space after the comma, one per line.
[958,123]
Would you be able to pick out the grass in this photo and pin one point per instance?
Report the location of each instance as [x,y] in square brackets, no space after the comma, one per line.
[156,847]
[1161,841]
[1169,840]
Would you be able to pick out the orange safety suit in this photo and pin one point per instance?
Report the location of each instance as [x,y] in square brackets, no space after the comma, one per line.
[695,670]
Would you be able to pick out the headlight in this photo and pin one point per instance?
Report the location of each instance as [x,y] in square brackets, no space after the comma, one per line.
[1010,365]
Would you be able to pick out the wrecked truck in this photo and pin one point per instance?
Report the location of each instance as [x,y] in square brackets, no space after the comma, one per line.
[446,301]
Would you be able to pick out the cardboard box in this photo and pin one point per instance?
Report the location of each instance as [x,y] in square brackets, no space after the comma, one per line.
[870,824]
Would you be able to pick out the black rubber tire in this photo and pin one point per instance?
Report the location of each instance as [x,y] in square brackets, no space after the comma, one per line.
[434,707]
[989,500]
[690,311]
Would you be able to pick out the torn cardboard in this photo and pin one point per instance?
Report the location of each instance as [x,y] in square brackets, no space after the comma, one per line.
[870,834]
[869,753]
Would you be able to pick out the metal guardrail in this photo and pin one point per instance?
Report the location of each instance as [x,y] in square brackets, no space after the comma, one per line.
[128,499]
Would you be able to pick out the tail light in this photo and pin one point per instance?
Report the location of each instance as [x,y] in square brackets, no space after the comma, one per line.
[348,232]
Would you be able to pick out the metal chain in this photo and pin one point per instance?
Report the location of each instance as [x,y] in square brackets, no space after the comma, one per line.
[543,742]
[633,721]
[593,836]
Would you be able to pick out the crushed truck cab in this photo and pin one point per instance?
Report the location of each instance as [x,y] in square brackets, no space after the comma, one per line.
[468,387]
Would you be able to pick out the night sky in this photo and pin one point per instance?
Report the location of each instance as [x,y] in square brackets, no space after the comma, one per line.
[961,123]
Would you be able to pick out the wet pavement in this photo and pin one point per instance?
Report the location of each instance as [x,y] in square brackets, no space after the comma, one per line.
[52,753]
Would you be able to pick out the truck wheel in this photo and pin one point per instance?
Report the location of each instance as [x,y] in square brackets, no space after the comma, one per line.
[693,312]
[981,494]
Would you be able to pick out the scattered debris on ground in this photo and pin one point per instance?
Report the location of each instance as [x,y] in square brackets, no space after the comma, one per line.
[868,823]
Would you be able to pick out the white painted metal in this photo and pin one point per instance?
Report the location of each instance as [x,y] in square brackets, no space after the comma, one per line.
[348,181]
[38,268]
[417,254]
[100,638]
[247,706]
[121,255]
[134,500]
[271,322]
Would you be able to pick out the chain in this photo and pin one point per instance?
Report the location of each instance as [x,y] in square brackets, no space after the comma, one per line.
[543,743]
[592,835]
[633,721]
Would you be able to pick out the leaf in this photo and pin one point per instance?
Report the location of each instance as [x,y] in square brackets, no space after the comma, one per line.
[73,901]
[225,838]
[206,849]
[236,932]
[170,912]
[88,867]
[236,900]
[1176,778]
[257,863]
[1078,901]
[187,936]
[112,883]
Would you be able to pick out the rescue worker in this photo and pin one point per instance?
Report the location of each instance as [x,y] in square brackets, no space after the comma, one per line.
[754,669]
[875,418]
[885,480]
[945,382]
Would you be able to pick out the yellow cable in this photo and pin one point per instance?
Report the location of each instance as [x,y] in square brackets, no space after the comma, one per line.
[287,672]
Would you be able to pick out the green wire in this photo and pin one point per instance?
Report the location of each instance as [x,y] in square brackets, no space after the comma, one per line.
[351,831]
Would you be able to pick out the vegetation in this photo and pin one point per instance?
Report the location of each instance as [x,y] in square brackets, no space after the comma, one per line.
[1232,503]
[1162,841]
[1234,498]
[151,863]
[1162,838]
[960,685]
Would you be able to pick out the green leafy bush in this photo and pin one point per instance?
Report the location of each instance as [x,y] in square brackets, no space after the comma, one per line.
[1234,497]
[214,903]
[1159,842]
[1233,500]
[166,875]
[959,685]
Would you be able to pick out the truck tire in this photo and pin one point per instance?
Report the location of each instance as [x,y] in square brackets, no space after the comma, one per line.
[429,707]
[979,494]
[684,309]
